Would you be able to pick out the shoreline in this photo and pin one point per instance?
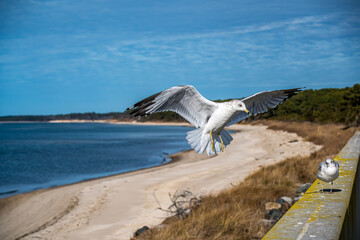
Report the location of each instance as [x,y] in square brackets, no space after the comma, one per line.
[97,208]
[36,195]
[176,157]
[146,123]
[173,157]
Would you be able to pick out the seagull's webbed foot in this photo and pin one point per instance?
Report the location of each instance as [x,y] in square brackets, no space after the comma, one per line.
[212,141]
[222,143]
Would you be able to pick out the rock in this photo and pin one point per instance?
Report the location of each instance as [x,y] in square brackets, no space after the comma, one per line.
[272,205]
[165,157]
[303,188]
[287,199]
[274,214]
[286,203]
[297,198]
[141,230]
[281,201]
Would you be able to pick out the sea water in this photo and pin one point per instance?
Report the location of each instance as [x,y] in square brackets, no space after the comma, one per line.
[43,155]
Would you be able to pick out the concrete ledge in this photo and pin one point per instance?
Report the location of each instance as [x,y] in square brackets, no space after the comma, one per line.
[322,216]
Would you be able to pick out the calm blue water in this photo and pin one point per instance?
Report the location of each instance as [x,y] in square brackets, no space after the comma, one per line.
[42,155]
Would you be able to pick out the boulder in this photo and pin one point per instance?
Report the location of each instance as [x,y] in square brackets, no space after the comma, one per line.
[286,203]
[297,198]
[287,199]
[272,205]
[274,214]
[303,188]
[141,230]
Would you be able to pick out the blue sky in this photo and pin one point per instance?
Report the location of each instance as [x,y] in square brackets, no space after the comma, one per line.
[103,56]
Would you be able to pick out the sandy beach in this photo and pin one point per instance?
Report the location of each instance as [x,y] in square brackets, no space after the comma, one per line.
[114,207]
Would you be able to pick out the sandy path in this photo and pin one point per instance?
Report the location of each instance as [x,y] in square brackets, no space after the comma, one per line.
[114,207]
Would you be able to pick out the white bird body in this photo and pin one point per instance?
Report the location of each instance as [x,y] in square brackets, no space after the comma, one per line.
[207,116]
[220,117]
[328,170]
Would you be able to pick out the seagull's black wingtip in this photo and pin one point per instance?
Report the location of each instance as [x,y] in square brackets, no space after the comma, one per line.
[293,91]
[140,108]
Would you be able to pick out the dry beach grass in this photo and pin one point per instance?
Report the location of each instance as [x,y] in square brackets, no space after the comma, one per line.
[237,213]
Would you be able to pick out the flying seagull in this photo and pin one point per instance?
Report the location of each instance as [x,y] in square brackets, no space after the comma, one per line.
[207,116]
[328,171]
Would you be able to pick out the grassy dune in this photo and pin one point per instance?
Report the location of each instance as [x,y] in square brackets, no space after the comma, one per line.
[236,213]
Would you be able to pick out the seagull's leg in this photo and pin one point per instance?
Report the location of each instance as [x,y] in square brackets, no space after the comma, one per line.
[222,143]
[212,141]
[322,187]
[331,186]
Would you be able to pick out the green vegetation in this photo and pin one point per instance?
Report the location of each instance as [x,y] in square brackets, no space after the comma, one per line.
[324,106]
[164,117]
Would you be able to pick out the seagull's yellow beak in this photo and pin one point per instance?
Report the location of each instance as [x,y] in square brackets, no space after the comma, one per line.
[247,111]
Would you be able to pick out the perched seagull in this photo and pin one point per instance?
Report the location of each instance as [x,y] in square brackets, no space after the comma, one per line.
[207,116]
[328,171]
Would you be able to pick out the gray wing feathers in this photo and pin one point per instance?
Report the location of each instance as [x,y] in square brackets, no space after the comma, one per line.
[260,102]
[238,117]
[184,100]
[321,165]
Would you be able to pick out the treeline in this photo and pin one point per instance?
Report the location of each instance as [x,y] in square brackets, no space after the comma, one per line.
[330,105]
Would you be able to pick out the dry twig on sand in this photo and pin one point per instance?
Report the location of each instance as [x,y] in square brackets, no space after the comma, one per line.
[182,203]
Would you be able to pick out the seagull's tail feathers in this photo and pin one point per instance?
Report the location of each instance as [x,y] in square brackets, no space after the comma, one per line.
[200,141]
[194,138]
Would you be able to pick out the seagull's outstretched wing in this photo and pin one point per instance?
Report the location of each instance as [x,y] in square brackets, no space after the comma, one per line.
[184,100]
[260,102]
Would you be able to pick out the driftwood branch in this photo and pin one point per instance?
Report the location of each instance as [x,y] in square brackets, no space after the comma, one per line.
[182,203]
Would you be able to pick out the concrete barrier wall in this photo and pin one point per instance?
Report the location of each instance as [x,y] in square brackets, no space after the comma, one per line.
[327,215]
